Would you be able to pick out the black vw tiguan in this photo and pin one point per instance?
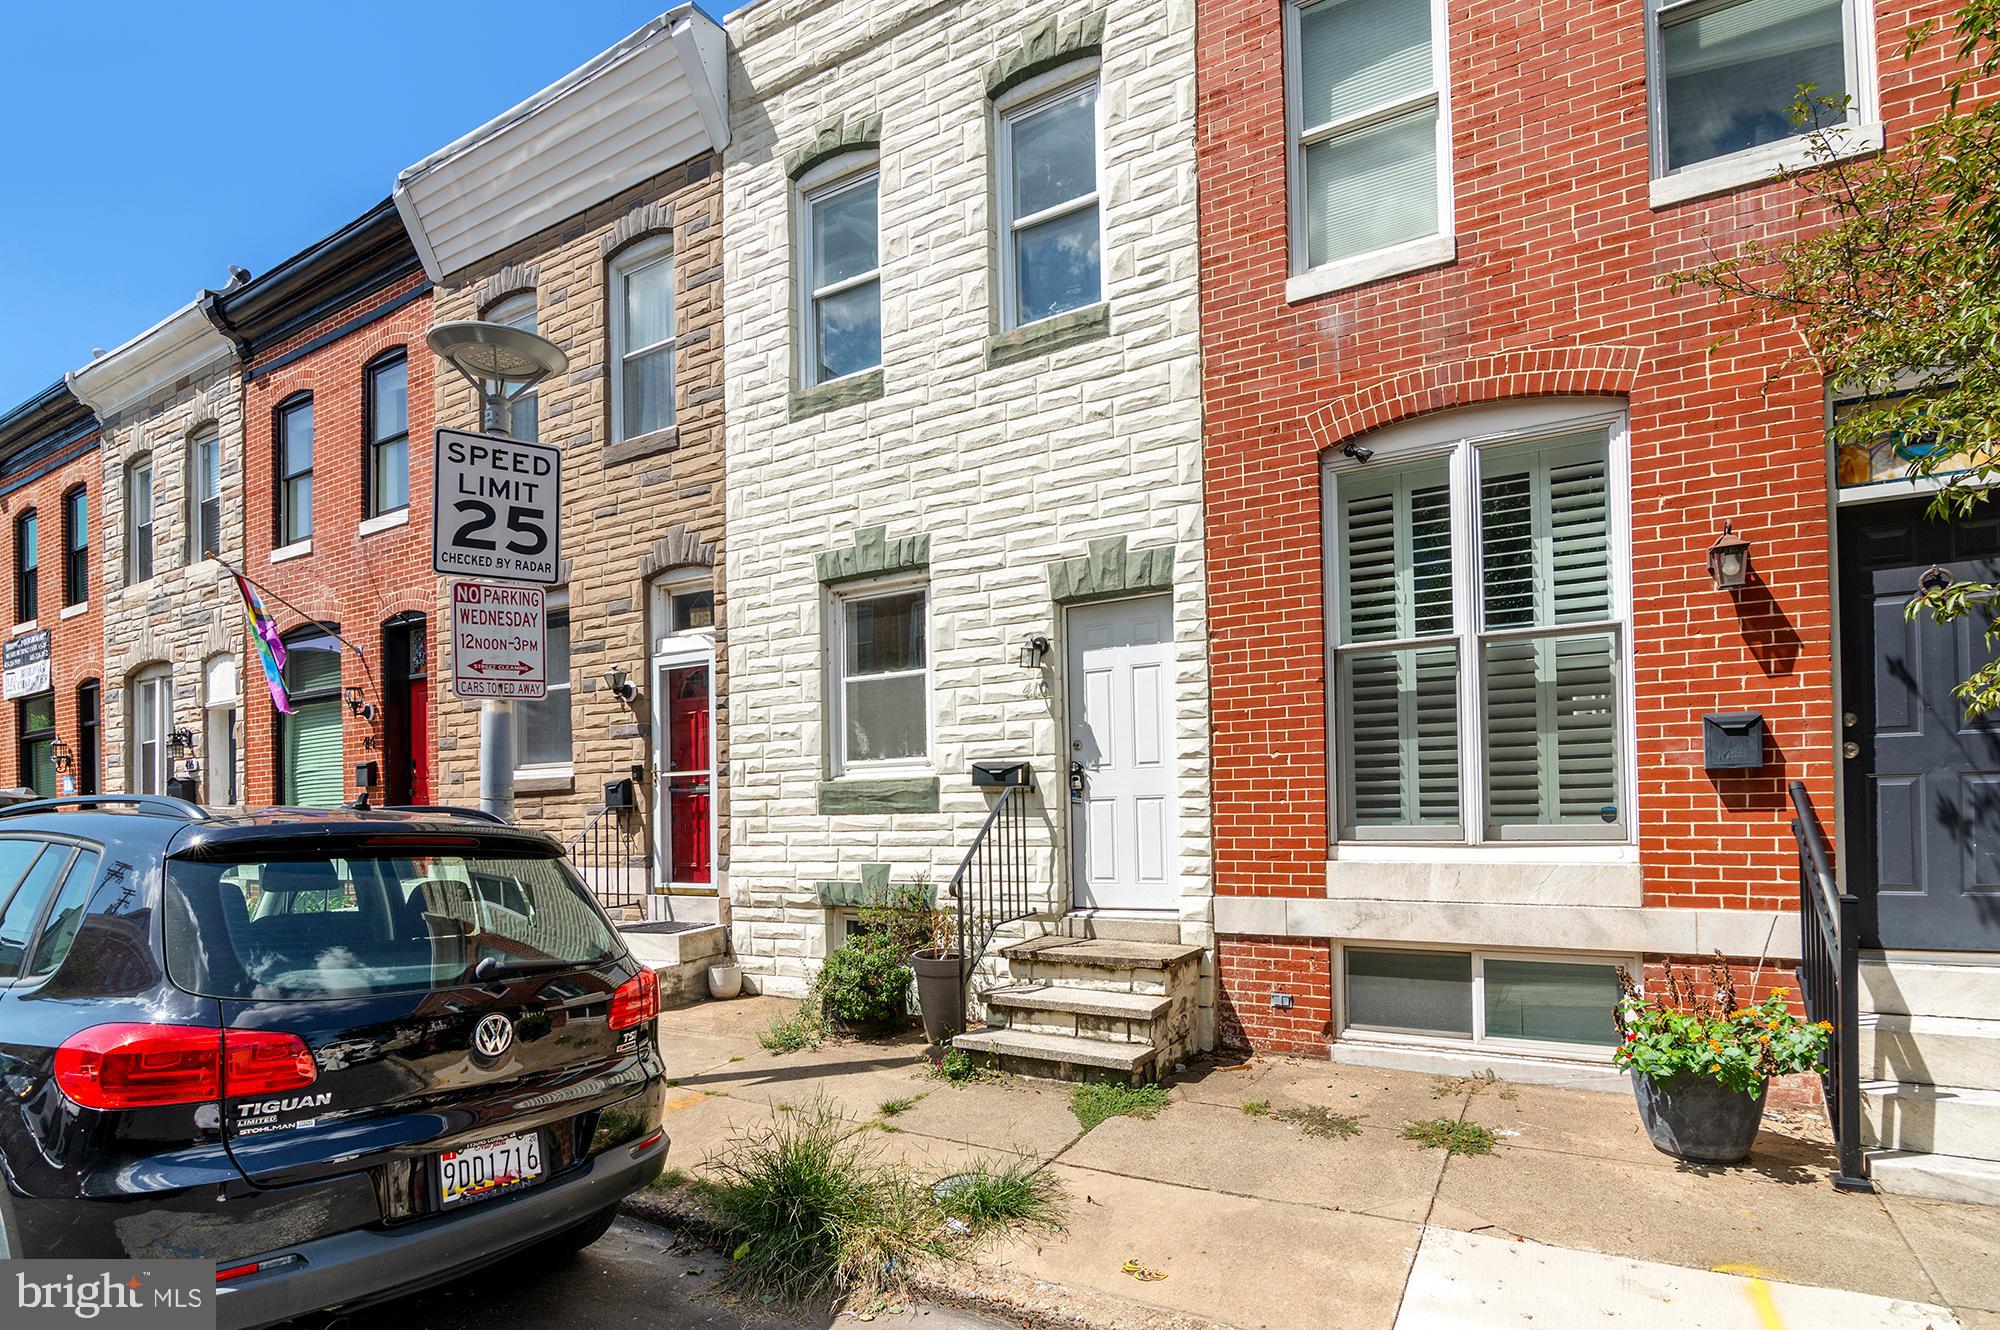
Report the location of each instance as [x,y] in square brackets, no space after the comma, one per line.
[342,1055]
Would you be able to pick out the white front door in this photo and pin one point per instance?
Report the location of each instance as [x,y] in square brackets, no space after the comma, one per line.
[1121,733]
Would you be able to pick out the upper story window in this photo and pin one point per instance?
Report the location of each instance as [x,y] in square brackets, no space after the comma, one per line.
[386,427]
[841,274]
[138,519]
[642,339]
[76,546]
[1370,142]
[1726,78]
[294,457]
[881,677]
[1051,242]
[205,496]
[27,570]
[518,311]
[1479,689]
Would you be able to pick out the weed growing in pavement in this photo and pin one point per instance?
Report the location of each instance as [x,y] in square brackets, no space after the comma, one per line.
[673,1081]
[1459,1138]
[1444,1087]
[1256,1108]
[809,1213]
[1324,1123]
[959,1068]
[890,1108]
[989,1196]
[1097,1102]
[672,1179]
[803,1029]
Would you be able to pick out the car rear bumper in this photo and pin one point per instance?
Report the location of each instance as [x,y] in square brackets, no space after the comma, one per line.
[371,1265]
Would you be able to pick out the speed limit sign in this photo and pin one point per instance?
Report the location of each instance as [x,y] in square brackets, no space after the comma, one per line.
[496,508]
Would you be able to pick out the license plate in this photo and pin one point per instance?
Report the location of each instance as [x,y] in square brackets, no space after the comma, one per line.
[489,1168]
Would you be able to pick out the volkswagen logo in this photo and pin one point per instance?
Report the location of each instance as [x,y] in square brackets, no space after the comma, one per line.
[493,1036]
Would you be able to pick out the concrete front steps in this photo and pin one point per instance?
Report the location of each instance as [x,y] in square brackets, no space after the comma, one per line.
[1930,1071]
[1091,1007]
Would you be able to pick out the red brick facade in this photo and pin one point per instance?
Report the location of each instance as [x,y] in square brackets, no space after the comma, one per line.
[76,639]
[356,579]
[1557,289]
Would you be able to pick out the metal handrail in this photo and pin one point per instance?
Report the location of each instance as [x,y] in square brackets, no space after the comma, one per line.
[1829,976]
[601,858]
[991,883]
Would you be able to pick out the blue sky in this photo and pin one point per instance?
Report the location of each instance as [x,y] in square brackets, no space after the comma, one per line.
[146,147]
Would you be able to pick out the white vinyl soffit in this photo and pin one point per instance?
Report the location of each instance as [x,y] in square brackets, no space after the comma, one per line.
[649,103]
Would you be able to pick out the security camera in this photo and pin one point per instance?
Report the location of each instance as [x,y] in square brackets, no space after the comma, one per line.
[1357,452]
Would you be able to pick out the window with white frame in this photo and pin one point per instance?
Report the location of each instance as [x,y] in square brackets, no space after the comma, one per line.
[1728,75]
[1478,688]
[518,311]
[149,707]
[642,339]
[841,274]
[205,487]
[881,676]
[138,519]
[1557,1003]
[1051,241]
[1370,140]
[544,722]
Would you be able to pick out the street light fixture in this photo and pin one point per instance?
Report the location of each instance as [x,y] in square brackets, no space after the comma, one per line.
[500,363]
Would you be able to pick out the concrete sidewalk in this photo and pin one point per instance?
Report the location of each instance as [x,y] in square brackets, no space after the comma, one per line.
[1573,1219]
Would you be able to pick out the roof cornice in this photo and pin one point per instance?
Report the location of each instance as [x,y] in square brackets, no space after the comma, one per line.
[178,347]
[367,255]
[651,102]
[47,422]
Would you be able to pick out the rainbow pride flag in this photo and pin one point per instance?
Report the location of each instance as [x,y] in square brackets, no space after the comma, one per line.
[270,646]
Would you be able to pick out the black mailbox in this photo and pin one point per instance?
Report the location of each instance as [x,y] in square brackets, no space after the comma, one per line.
[184,787]
[618,795]
[999,775]
[1732,740]
[366,775]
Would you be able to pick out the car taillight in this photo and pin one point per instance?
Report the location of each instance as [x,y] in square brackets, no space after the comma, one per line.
[637,1000]
[149,1066]
[260,1062]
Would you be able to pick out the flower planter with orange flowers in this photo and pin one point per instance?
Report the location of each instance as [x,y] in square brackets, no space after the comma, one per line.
[1701,1064]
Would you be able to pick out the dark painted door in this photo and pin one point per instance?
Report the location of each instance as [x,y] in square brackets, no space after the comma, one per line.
[1921,783]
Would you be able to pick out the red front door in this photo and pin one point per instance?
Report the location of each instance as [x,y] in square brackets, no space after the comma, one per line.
[688,776]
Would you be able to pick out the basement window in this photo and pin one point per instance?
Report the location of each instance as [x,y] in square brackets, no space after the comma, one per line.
[1542,1003]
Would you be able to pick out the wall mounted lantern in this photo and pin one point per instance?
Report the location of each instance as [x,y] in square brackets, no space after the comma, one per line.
[60,755]
[1033,649]
[621,685]
[1729,560]
[365,710]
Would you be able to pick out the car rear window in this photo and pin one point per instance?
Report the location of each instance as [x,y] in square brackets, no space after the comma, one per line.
[341,926]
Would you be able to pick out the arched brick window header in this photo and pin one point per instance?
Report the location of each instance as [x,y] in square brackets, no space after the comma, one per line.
[1562,371]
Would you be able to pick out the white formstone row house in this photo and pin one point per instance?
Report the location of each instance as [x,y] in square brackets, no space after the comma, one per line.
[963,432]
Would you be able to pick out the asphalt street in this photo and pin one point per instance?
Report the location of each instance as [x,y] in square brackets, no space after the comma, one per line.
[635,1275]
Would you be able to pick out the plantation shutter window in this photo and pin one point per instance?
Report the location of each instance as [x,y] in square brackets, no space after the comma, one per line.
[1400,742]
[309,752]
[1729,75]
[1367,119]
[1486,704]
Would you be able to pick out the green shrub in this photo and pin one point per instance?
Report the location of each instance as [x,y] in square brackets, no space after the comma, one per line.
[865,981]
[1094,1103]
[990,1196]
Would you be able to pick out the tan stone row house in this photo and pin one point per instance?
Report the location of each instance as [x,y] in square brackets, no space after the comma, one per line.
[591,214]
[171,492]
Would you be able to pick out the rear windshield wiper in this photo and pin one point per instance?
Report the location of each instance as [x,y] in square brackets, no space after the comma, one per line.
[491,968]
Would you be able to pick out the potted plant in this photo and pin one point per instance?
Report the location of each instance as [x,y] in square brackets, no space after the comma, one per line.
[1701,1063]
[940,991]
[863,986]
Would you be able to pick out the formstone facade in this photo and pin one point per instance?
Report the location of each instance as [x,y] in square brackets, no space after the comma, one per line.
[155,398]
[1000,467]
[638,513]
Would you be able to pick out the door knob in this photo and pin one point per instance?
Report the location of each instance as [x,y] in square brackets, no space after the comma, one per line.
[1849,719]
[1850,749]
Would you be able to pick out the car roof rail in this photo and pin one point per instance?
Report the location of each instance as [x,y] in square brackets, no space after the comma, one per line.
[156,805]
[449,810]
